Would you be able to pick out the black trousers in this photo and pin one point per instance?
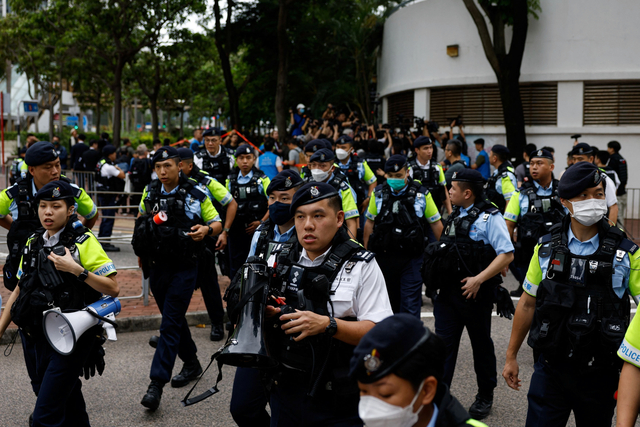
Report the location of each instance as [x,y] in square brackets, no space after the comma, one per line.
[249,399]
[208,283]
[239,244]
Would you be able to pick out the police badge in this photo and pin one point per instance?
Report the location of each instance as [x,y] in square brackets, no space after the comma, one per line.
[314,191]
[56,192]
[165,155]
[287,182]
[372,362]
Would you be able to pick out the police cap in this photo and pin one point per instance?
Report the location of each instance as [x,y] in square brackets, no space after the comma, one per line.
[244,149]
[467,175]
[185,153]
[211,132]
[422,140]
[284,181]
[323,155]
[55,190]
[542,154]
[579,177]
[314,146]
[108,150]
[345,139]
[500,149]
[39,153]
[395,163]
[311,192]
[386,347]
[582,148]
[164,153]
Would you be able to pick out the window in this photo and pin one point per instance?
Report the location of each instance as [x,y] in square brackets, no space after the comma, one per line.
[607,103]
[400,104]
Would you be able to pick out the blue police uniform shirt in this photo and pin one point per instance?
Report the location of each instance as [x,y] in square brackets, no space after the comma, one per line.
[353,193]
[493,231]
[419,205]
[513,180]
[434,416]
[245,180]
[360,168]
[485,168]
[524,200]
[13,208]
[620,281]
[280,238]
[267,164]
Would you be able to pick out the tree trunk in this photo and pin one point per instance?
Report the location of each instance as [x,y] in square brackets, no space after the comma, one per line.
[50,114]
[8,69]
[513,113]
[60,108]
[182,124]
[154,117]
[232,92]
[281,87]
[117,101]
[98,111]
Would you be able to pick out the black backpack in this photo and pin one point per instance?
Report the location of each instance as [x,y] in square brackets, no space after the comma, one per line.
[140,172]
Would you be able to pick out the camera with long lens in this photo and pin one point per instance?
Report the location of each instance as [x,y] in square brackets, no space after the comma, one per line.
[433,127]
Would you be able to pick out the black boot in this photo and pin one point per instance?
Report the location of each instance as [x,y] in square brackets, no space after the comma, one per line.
[482,406]
[190,371]
[151,400]
[217,332]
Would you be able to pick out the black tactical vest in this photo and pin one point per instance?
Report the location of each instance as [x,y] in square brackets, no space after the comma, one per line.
[457,256]
[266,245]
[490,187]
[112,183]
[353,177]
[543,213]
[578,316]
[305,173]
[397,230]
[252,203]
[218,167]
[339,180]
[429,177]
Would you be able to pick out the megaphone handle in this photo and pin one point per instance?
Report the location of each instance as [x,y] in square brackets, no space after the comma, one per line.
[111,332]
[213,390]
[110,318]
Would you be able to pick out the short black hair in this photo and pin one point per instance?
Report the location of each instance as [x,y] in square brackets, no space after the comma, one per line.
[426,361]
[93,141]
[503,157]
[166,142]
[157,142]
[82,136]
[476,188]
[603,156]
[335,202]
[479,141]
[30,134]
[268,144]
[529,148]
[615,145]
[104,135]
[454,147]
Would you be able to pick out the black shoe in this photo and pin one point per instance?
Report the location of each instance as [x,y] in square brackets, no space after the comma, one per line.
[151,400]
[517,292]
[190,371]
[482,406]
[217,332]
[108,247]
[31,420]
[153,341]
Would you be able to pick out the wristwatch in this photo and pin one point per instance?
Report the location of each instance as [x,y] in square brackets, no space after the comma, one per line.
[226,230]
[210,232]
[332,328]
[83,276]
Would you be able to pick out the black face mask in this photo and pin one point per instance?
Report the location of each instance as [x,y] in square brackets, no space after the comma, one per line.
[279,213]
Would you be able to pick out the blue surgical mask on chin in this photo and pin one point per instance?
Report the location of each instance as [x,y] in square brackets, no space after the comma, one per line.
[396,184]
[279,213]
[302,111]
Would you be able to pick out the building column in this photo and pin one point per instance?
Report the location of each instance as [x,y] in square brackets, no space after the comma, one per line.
[570,104]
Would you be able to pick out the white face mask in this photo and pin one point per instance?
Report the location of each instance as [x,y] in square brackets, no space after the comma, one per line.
[588,212]
[319,175]
[342,154]
[378,413]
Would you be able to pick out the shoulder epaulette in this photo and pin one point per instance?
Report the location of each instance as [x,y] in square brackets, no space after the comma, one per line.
[363,255]
[344,186]
[628,246]
[378,188]
[82,238]
[492,210]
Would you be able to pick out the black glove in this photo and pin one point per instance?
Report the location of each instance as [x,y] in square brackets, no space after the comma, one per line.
[504,303]
[95,360]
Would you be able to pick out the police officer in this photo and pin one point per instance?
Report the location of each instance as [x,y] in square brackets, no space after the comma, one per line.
[628,399]
[361,177]
[207,276]
[575,308]
[502,183]
[175,217]
[73,280]
[430,174]
[323,169]
[399,213]
[533,209]
[215,159]
[248,186]
[399,366]
[341,282]
[465,266]
[249,397]
[309,150]
[109,178]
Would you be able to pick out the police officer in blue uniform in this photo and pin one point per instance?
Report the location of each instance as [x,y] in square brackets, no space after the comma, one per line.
[399,366]
[503,182]
[339,294]
[309,150]
[249,397]
[575,308]
[464,269]
[399,214]
[176,216]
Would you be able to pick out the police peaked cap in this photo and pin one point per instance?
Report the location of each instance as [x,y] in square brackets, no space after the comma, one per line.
[323,155]
[500,149]
[311,192]
[315,145]
[582,148]
[108,149]
[55,190]
[345,139]
[468,175]
[395,163]
[185,153]
[164,153]
[541,153]
[39,153]
[212,132]
[244,149]
[386,347]
[284,181]
[422,140]
[579,177]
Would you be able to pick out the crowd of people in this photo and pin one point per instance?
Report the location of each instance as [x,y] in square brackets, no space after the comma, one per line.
[331,235]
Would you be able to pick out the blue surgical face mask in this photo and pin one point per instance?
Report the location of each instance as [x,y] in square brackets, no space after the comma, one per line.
[302,111]
[396,183]
[279,213]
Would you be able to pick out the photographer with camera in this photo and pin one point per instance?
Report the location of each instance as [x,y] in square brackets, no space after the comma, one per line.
[335,293]
[63,266]
[299,121]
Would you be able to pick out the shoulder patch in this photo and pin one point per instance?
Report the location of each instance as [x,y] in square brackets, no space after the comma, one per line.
[545,239]
[344,186]
[363,255]
[378,188]
[198,194]
[83,238]
[628,246]
[492,210]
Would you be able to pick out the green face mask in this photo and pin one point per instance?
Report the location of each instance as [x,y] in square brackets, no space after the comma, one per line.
[396,183]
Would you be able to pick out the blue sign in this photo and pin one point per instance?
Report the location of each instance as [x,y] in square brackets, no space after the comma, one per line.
[30,108]
[72,120]
[85,123]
